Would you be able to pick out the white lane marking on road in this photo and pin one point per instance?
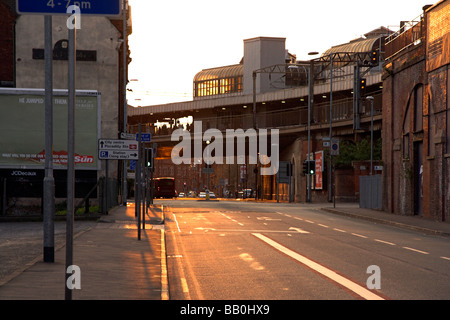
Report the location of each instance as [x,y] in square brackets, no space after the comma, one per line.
[205,229]
[446,258]
[359,235]
[267,219]
[415,250]
[298,230]
[386,242]
[184,285]
[234,220]
[176,221]
[339,230]
[356,288]
[323,225]
[253,231]
[164,275]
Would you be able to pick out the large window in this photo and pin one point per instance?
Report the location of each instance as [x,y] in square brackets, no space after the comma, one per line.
[217,86]
[224,80]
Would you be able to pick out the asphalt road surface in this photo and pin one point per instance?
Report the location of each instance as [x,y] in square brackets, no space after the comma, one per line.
[231,250]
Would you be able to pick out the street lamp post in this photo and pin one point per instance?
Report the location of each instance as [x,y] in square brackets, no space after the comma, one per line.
[310,104]
[331,129]
[282,69]
[207,171]
[125,49]
[370,98]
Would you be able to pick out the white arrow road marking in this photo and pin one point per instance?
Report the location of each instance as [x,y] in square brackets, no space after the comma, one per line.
[298,230]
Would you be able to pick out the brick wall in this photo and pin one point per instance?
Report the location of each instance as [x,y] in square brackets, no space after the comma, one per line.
[416,158]
[6,44]
[401,76]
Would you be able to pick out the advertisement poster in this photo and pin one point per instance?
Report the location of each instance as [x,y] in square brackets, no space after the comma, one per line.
[22,129]
[318,156]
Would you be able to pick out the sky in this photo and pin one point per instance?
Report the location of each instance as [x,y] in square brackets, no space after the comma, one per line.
[173,40]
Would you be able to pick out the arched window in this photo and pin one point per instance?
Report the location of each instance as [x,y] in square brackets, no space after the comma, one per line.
[406,131]
[431,125]
[418,108]
[414,106]
[216,81]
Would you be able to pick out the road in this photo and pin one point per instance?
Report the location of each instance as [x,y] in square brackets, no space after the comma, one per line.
[232,250]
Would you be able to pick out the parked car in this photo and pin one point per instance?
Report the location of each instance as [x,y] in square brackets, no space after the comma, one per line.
[181,195]
[191,194]
[248,194]
[212,195]
[202,195]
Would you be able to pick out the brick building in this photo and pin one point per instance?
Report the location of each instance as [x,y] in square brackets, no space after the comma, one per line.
[99,68]
[7,23]
[416,116]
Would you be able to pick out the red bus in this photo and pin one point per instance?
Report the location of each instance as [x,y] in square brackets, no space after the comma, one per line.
[164,187]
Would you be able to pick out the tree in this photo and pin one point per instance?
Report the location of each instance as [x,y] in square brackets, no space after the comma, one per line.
[359,151]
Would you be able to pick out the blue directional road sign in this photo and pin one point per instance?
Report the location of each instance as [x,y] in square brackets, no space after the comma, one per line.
[145,137]
[93,7]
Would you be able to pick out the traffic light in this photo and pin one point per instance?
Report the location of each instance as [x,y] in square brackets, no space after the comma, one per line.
[312,167]
[148,158]
[305,167]
[374,58]
[362,85]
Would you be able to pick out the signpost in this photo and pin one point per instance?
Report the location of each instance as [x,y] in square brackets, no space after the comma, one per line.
[145,137]
[54,7]
[334,151]
[127,136]
[117,149]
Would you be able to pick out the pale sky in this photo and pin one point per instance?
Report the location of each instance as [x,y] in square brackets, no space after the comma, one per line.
[173,40]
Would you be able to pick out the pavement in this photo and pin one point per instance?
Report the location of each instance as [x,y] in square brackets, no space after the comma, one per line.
[116,265]
[416,223]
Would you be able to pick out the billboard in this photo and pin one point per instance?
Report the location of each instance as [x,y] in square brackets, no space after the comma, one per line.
[22,129]
[318,157]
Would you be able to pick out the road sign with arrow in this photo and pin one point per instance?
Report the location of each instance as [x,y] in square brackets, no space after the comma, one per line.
[117,149]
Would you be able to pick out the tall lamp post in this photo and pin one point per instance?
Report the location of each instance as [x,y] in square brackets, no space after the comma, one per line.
[125,49]
[370,98]
[331,129]
[310,104]
[207,170]
[278,68]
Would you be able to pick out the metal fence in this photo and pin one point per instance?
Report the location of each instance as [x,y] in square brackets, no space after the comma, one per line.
[410,33]
[298,116]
